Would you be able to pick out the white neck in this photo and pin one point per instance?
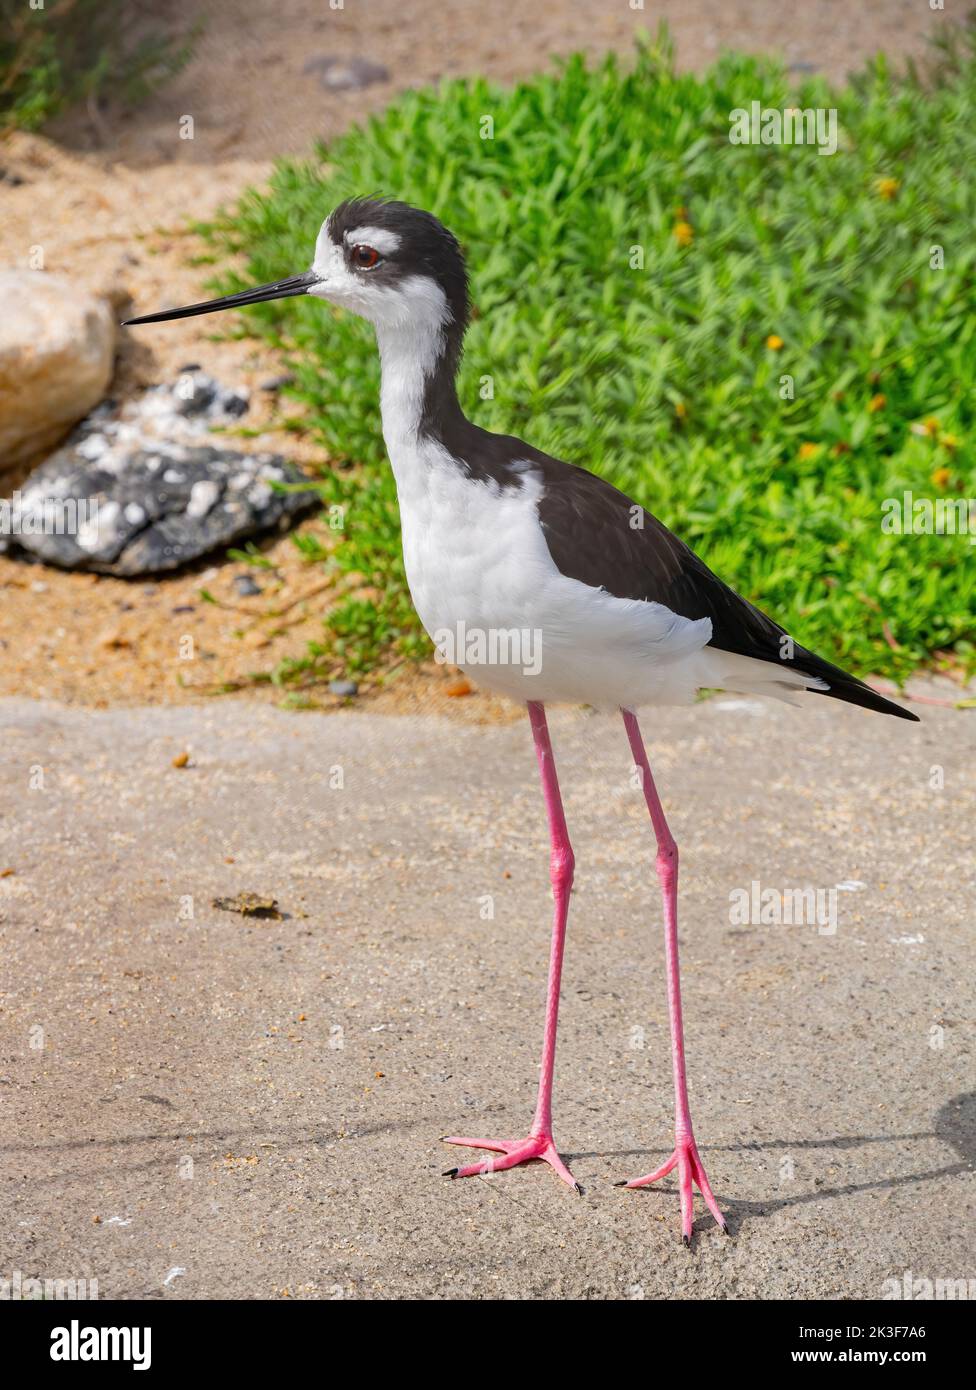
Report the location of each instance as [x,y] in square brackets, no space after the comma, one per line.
[409,354]
[411,323]
[407,359]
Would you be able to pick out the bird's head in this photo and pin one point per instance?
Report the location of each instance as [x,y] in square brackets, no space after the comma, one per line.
[386,261]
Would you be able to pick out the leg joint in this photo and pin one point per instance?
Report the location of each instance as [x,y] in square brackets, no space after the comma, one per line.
[562,862]
[667,859]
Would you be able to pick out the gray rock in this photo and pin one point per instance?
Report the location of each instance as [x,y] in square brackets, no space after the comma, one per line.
[344,688]
[141,490]
[161,509]
[347,74]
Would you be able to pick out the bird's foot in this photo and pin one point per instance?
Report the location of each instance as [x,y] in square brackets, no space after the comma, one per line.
[508,1153]
[690,1170]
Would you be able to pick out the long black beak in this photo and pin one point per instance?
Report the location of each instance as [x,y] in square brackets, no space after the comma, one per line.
[278,289]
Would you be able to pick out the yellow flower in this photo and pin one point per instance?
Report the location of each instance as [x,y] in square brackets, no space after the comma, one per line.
[683,233]
[926,429]
[774,342]
[949,441]
[887,188]
[681,410]
[941,477]
[808,450]
[877,403]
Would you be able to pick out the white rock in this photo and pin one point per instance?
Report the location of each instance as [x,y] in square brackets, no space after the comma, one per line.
[57,345]
[203,495]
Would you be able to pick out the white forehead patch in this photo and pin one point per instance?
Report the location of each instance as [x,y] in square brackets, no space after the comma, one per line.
[381,240]
[417,302]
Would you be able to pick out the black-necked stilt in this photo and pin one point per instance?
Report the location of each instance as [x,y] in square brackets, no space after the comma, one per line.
[555,585]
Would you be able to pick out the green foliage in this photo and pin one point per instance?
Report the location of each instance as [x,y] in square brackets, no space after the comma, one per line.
[663,378]
[71,50]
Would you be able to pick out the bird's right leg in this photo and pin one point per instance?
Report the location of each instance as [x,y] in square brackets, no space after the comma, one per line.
[685,1157]
[539,1143]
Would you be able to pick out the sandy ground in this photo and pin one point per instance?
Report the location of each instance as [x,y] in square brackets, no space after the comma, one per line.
[207,1106]
[108,201]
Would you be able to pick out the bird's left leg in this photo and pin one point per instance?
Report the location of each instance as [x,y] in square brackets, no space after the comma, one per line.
[539,1143]
[685,1156]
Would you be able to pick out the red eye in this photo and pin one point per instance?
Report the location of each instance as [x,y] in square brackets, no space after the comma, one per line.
[365,257]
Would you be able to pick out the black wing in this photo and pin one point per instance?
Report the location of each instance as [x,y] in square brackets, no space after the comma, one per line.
[597,535]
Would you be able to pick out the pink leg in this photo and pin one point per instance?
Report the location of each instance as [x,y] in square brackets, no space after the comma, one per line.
[539,1143]
[685,1156]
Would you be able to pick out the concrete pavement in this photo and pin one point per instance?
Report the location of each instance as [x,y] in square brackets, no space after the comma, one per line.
[196,1104]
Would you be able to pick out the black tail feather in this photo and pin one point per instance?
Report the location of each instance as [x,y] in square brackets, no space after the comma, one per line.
[842,686]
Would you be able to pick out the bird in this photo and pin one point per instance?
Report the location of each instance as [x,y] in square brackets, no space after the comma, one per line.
[544,583]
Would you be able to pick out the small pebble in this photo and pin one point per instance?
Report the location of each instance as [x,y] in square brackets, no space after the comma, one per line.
[246,586]
[347,74]
[275,383]
[343,688]
[181,760]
